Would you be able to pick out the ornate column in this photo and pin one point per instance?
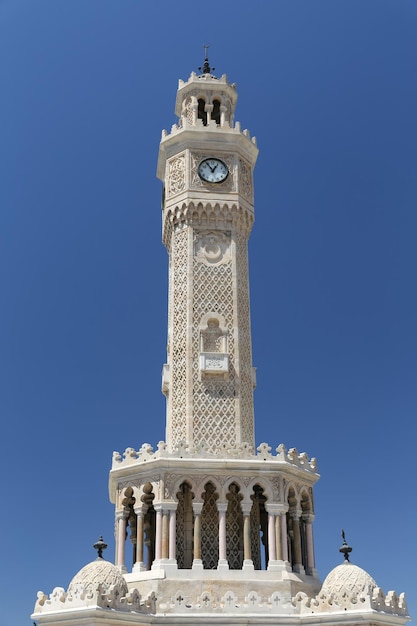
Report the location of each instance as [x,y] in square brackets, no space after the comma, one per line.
[165,535]
[197,561]
[158,536]
[169,536]
[276,512]
[272,551]
[173,535]
[297,557]
[278,536]
[120,539]
[139,565]
[284,537]
[222,508]
[247,548]
[310,565]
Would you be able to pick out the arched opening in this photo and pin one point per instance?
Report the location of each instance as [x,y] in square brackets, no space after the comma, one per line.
[259,528]
[201,113]
[215,115]
[209,527]
[234,527]
[149,526]
[128,503]
[306,510]
[185,526]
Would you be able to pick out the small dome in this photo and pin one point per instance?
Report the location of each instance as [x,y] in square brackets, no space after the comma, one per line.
[99,572]
[348,577]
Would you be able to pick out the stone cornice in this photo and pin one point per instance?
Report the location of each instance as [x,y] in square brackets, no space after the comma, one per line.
[206,215]
[209,138]
[152,465]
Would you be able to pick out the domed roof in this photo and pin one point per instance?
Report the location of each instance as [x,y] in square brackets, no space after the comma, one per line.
[348,577]
[99,572]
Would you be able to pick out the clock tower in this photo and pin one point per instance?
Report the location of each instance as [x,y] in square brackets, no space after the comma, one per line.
[206,166]
[219,532]
[206,499]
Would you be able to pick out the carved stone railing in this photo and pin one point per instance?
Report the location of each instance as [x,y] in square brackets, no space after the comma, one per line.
[375,600]
[176,128]
[183,451]
[81,596]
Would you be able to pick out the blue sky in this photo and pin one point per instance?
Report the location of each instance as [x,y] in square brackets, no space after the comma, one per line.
[329,89]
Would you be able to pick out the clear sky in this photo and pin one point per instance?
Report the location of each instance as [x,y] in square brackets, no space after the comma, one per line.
[329,88]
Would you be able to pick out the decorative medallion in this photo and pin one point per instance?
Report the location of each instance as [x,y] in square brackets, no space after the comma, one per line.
[212,248]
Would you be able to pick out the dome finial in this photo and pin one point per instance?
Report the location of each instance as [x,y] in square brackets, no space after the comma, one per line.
[206,69]
[345,549]
[100,546]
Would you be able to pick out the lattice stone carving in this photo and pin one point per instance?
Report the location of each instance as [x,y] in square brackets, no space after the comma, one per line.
[210,528]
[255,524]
[177,404]
[176,176]
[245,344]
[214,414]
[234,528]
[185,525]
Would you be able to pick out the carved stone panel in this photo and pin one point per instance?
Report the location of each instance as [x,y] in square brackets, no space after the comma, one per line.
[212,247]
[176,176]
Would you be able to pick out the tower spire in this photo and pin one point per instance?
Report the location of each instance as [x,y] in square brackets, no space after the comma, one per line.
[345,549]
[206,69]
[100,545]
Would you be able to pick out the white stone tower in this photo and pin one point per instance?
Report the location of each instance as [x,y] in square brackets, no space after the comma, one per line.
[206,167]
[218,531]
[205,501]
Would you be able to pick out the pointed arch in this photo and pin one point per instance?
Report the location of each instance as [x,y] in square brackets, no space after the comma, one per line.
[259,527]
[184,525]
[209,526]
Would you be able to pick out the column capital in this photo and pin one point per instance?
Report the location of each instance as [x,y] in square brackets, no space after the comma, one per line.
[296,514]
[140,510]
[120,515]
[246,507]
[222,507]
[169,506]
[197,507]
[308,517]
[276,508]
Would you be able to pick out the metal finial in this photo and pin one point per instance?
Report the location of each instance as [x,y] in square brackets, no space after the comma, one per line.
[345,549]
[100,546]
[206,69]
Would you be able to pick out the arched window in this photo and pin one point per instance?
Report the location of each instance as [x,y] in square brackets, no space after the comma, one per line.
[234,527]
[149,526]
[210,528]
[216,112]
[128,505]
[202,115]
[185,527]
[259,530]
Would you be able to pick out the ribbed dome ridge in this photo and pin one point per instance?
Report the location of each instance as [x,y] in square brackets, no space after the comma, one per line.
[99,572]
[348,577]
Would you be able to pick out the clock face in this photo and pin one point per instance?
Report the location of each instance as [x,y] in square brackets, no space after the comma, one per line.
[213,170]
